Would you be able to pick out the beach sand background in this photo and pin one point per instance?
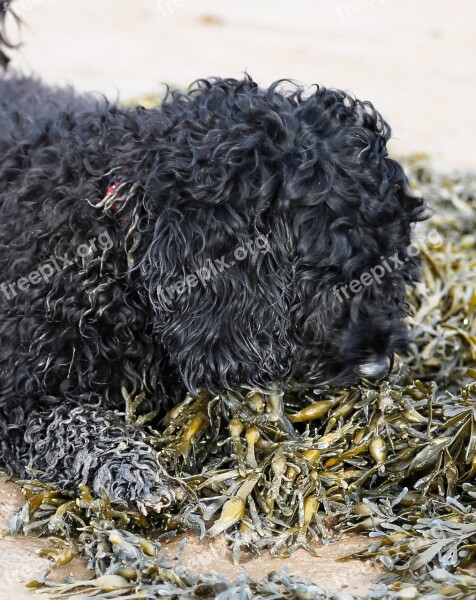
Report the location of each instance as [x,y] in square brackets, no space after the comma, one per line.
[415,61]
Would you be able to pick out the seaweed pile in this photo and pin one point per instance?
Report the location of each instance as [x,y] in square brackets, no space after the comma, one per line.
[395,460]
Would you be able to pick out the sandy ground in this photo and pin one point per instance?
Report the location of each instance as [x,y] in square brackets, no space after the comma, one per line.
[414,60]
[20,564]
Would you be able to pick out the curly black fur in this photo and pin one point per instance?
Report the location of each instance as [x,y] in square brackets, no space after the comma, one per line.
[171,189]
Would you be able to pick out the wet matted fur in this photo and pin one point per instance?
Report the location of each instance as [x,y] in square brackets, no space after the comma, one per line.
[195,245]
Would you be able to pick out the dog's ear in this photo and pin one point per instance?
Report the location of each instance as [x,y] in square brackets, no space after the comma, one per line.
[222,310]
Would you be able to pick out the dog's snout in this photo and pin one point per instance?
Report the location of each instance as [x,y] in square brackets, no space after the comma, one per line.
[375,368]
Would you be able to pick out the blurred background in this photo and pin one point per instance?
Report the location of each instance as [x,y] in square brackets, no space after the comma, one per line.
[415,60]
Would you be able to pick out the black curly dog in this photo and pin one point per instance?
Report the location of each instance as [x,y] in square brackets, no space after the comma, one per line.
[205,243]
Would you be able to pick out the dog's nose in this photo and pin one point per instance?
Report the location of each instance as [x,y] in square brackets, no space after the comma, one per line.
[374,368]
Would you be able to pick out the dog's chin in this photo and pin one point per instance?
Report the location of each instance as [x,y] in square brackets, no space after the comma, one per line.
[375,368]
[333,375]
[336,374]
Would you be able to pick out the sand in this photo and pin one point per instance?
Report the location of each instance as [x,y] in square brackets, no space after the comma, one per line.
[20,564]
[414,60]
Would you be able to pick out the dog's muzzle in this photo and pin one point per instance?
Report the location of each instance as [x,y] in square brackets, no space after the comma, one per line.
[374,369]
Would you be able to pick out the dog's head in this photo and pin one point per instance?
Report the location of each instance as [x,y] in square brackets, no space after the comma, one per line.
[349,320]
[280,238]
[355,332]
